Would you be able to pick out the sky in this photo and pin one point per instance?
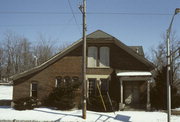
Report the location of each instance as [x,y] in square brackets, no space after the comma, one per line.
[138,22]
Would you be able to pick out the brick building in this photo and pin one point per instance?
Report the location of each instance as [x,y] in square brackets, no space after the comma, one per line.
[121,70]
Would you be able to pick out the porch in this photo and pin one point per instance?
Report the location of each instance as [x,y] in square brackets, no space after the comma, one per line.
[134,87]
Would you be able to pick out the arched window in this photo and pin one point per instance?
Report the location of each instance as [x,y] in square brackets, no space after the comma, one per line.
[75,79]
[104,57]
[58,81]
[67,80]
[92,56]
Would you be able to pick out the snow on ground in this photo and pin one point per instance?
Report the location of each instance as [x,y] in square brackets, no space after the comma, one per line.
[6,92]
[177,109]
[45,114]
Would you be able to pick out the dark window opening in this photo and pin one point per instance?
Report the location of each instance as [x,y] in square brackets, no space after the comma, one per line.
[34,89]
[104,86]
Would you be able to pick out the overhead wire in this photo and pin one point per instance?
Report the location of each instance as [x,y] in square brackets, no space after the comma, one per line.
[37,25]
[74,16]
[128,13]
[73,13]
[32,12]
[99,13]
[34,25]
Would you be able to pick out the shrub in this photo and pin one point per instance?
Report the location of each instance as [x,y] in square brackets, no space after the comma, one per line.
[26,103]
[63,97]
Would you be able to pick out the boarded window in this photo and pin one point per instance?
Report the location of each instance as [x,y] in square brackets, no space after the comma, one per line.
[104,57]
[34,89]
[58,81]
[92,56]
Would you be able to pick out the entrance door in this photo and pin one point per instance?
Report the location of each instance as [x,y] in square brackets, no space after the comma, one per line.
[131,93]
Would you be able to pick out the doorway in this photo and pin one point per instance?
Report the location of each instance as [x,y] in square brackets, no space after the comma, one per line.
[131,93]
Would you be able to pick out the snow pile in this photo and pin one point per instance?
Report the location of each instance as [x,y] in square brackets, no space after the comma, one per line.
[45,114]
[6,92]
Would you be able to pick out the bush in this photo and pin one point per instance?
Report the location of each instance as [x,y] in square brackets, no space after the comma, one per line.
[26,103]
[95,104]
[159,92]
[175,101]
[63,97]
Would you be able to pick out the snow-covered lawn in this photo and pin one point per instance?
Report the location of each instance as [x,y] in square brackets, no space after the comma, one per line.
[6,92]
[45,114]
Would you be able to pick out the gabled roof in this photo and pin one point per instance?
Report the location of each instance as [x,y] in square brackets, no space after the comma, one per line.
[99,34]
[96,34]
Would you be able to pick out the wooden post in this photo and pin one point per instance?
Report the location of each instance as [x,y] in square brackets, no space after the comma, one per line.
[121,105]
[148,106]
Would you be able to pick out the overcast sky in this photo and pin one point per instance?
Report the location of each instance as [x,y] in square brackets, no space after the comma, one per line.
[134,22]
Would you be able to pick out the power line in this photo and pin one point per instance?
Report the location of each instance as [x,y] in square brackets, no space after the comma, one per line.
[93,13]
[38,25]
[32,12]
[74,16]
[127,13]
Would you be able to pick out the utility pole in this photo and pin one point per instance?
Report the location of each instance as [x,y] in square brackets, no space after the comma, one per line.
[177,10]
[83,10]
[168,79]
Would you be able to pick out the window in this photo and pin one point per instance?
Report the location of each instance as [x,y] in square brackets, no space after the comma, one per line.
[92,87]
[75,79]
[58,81]
[94,60]
[92,56]
[104,57]
[104,86]
[33,92]
[67,80]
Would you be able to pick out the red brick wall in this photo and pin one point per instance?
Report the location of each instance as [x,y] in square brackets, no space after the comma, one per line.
[71,65]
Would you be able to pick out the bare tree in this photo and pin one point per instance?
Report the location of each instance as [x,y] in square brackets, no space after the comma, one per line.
[25,59]
[44,49]
[1,62]
[63,46]
[17,54]
[159,55]
[9,44]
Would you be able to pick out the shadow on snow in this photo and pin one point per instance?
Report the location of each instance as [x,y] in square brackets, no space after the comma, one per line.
[118,117]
